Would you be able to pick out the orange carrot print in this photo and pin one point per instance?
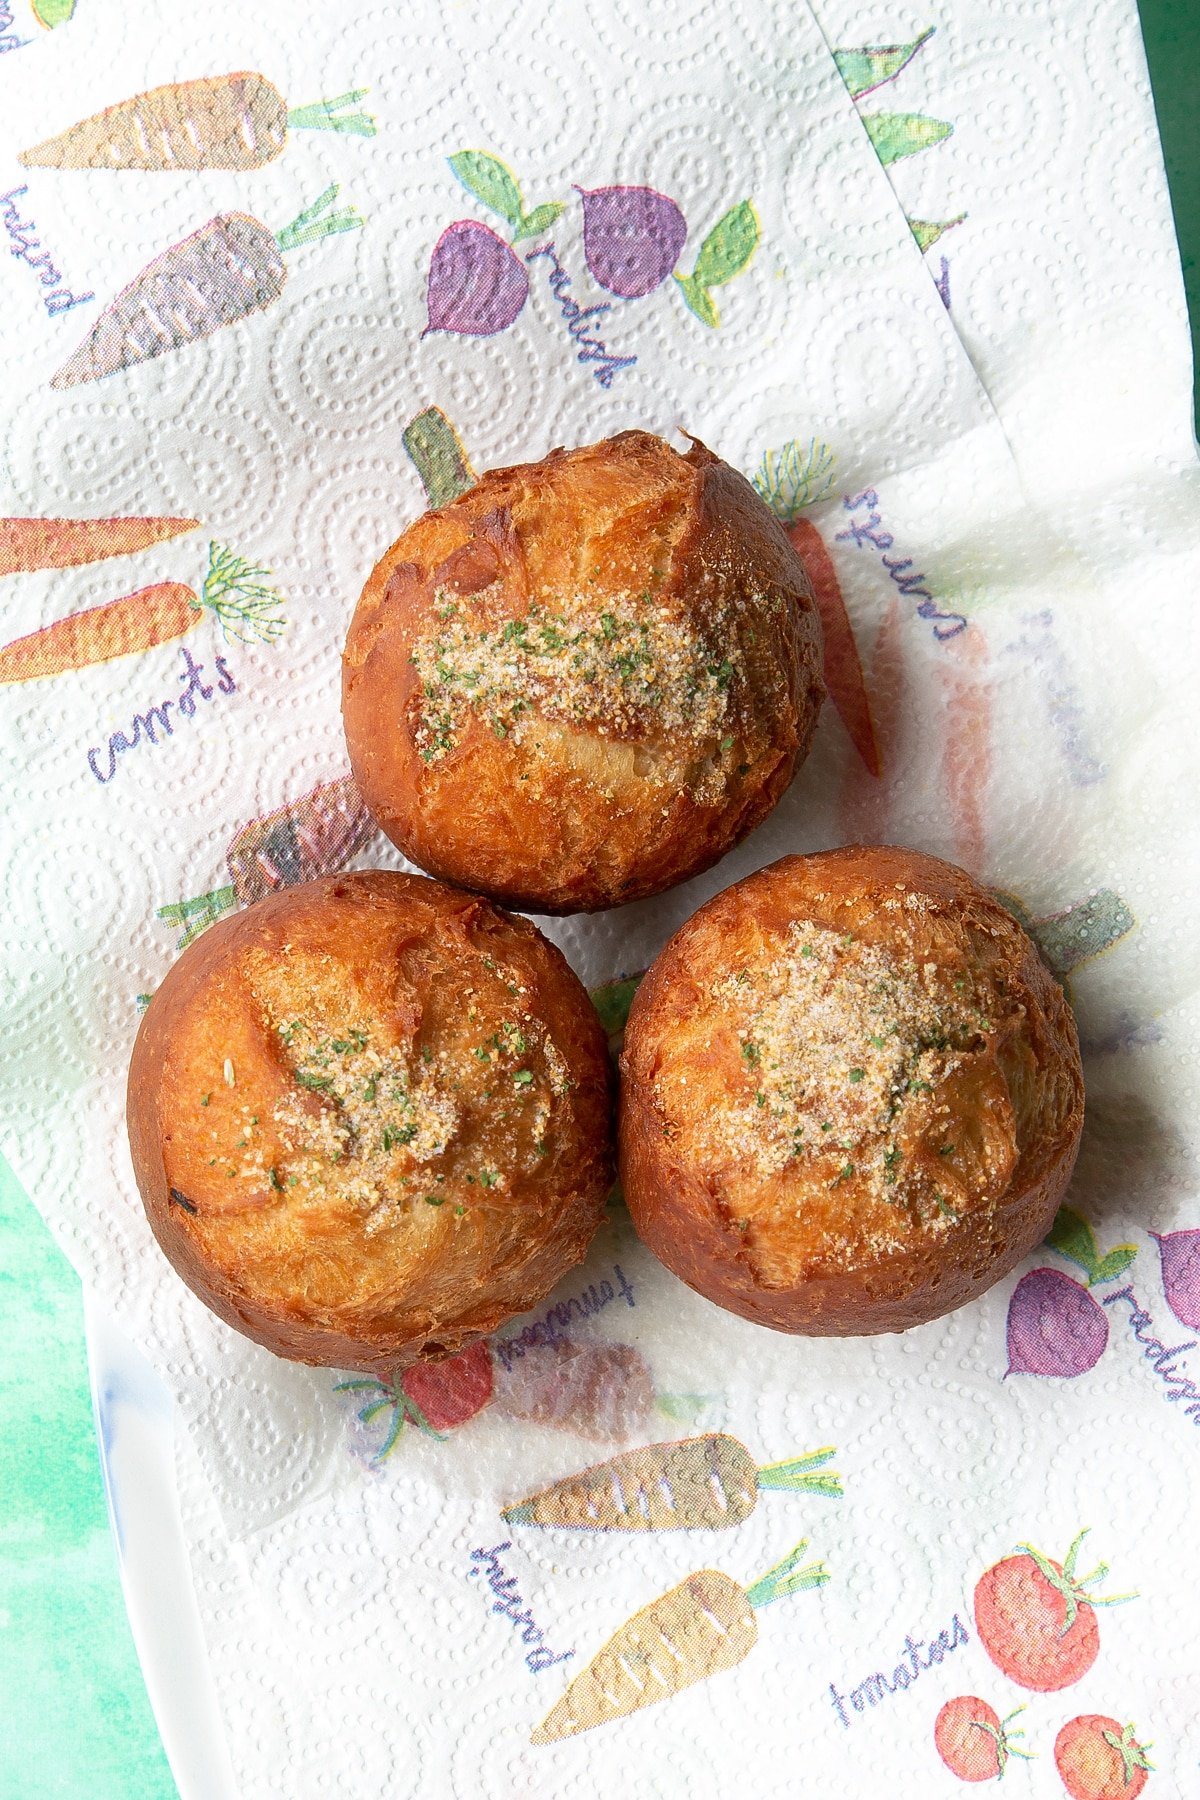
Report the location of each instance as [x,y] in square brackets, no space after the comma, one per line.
[237,121]
[699,1484]
[695,1630]
[233,591]
[30,544]
[789,480]
[230,268]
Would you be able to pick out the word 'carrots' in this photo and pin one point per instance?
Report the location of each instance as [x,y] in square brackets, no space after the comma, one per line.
[238,121]
[232,591]
[312,836]
[789,480]
[698,1484]
[30,544]
[230,268]
[704,1625]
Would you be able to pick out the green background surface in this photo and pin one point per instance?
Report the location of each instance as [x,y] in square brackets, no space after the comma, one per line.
[74,1717]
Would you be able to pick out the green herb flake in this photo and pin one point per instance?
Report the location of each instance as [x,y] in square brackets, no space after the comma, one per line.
[435,1199]
[523,1078]
[273,1178]
[760,1099]
[316,1084]
[845,1173]
[204,1099]
[751,1052]
[947,1150]
[806,950]
[726,744]
[856,1075]
[398,1134]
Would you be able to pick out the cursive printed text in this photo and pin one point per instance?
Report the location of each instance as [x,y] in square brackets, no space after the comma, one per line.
[592,349]
[1177,1385]
[551,1328]
[868,531]
[151,726]
[508,1602]
[58,299]
[910,1668]
[9,39]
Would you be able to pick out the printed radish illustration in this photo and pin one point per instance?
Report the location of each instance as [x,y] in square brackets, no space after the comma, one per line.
[314,835]
[973,1741]
[1076,933]
[27,545]
[632,237]
[695,1630]
[724,253]
[599,1391]
[1180,1253]
[790,480]
[697,1484]
[1036,1619]
[234,592]
[1055,1326]
[53,12]
[237,121]
[437,454]
[476,286]
[1099,1759]
[230,268]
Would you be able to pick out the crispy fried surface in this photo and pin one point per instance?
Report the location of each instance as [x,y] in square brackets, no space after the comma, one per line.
[852,1094]
[371,1119]
[586,679]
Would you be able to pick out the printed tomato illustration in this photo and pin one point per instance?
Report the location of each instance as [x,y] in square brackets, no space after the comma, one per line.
[451,1392]
[1099,1759]
[972,1739]
[1036,1619]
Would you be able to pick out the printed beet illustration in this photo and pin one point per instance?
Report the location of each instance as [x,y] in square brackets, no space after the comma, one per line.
[695,1630]
[233,591]
[1036,1619]
[1180,1253]
[476,286]
[724,253]
[697,1484]
[314,835]
[436,452]
[973,1741]
[1055,1326]
[632,237]
[602,1391]
[1099,1759]
[230,268]
[238,121]
[790,480]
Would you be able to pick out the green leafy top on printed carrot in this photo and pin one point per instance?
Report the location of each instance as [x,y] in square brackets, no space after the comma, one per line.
[874,65]
[795,477]
[724,253]
[493,182]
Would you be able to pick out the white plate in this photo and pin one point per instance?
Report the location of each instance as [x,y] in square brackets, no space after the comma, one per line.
[135,1435]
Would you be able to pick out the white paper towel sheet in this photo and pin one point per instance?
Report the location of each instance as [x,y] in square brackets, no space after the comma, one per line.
[992,429]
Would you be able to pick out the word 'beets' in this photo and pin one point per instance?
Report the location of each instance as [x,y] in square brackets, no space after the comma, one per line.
[632,237]
[1055,1327]
[476,285]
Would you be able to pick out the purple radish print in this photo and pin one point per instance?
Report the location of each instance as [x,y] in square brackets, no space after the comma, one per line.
[1055,1327]
[632,237]
[1180,1252]
[476,285]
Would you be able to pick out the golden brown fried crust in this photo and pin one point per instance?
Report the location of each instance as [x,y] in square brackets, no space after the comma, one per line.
[882,988]
[570,788]
[371,1119]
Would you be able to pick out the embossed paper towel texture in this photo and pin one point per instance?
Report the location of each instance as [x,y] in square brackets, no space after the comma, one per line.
[352,1632]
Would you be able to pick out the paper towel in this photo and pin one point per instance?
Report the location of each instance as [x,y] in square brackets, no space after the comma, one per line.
[997,437]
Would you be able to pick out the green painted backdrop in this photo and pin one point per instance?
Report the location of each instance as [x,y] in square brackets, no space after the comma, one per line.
[74,1718]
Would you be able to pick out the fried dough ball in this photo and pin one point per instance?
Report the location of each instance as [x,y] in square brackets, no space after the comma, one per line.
[584,680]
[852,1094]
[371,1119]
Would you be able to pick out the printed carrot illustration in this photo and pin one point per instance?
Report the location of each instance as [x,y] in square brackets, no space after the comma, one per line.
[876,64]
[789,480]
[238,121]
[697,1484]
[967,745]
[437,453]
[314,835]
[30,544]
[695,1630]
[230,268]
[233,592]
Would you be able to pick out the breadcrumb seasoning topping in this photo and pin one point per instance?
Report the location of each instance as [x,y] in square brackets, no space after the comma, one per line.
[622,665]
[844,1046]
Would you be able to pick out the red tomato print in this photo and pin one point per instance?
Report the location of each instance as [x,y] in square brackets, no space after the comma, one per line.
[973,1740]
[1036,1620]
[451,1392]
[1099,1759]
